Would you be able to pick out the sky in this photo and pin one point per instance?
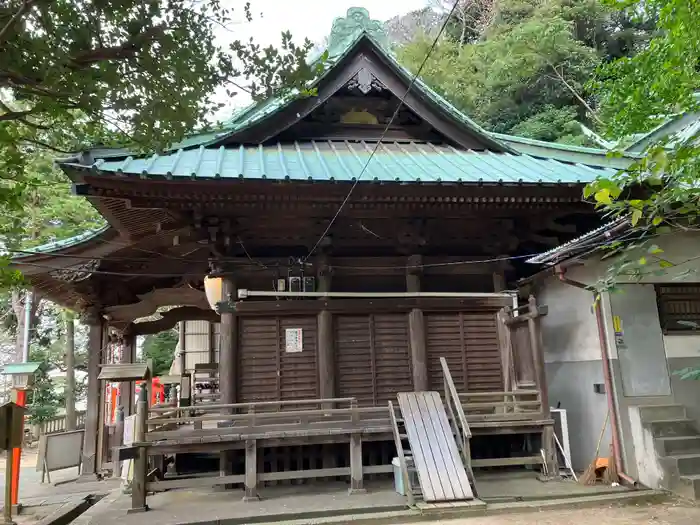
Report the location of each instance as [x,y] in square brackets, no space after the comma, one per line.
[310,19]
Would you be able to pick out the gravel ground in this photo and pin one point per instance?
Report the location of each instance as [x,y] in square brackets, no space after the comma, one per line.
[671,513]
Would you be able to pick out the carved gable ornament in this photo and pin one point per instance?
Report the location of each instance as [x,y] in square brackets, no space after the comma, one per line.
[365,81]
[347,29]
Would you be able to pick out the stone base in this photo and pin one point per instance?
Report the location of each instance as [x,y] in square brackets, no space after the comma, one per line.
[352,491]
[138,510]
[251,498]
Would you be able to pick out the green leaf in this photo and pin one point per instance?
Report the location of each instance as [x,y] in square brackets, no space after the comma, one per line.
[642,260]
[636,215]
[657,220]
[663,263]
[654,250]
[603,196]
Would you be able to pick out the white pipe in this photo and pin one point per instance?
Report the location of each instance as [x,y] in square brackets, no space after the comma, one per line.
[243,294]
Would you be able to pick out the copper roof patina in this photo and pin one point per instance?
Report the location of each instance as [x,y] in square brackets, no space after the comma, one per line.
[407,162]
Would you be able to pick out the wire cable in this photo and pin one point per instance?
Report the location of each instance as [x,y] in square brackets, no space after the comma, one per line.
[386,130]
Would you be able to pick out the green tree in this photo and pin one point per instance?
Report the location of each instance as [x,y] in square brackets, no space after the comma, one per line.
[526,71]
[160,348]
[134,72]
[660,191]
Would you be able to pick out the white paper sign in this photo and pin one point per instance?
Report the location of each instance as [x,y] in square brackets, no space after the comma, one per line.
[127,470]
[294,340]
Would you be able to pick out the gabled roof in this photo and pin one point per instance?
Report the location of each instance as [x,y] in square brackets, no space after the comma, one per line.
[356,33]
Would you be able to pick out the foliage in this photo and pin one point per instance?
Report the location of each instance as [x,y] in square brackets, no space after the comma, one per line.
[527,69]
[141,73]
[659,192]
[160,348]
[42,400]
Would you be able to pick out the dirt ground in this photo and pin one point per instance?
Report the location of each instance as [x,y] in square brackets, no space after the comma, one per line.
[671,513]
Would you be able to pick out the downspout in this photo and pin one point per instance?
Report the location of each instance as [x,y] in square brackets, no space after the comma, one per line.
[607,376]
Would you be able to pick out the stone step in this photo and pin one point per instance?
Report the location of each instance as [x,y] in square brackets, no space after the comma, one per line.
[673,427]
[674,445]
[689,487]
[683,464]
[662,412]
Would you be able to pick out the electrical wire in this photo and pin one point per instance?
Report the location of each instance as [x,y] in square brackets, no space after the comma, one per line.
[386,130]
[397,267]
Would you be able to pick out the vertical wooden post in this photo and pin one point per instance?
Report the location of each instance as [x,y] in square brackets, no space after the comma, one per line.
[251,471]
[228,360]
[538,354]
[416,327]
[356,476]
[138,484]
[325,337]
[94,390]
[182,329]
[126,388]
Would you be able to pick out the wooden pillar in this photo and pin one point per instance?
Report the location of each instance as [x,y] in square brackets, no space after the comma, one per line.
[228,354]
[228,359]
[538,354]
[182,329]
[251,471]
[138,485]
[94,397]
[416,327]
[126,388]
[356,476]
[325,337]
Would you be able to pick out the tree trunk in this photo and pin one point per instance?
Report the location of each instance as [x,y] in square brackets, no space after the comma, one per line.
[70,372]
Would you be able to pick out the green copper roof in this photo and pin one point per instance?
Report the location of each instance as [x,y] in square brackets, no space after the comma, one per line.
[64,243]
[408,162]
[20,368]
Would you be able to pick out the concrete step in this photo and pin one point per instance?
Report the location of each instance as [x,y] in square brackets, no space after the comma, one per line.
[662,412]
[675,445]
[682,464]
[673,427]
[689,487]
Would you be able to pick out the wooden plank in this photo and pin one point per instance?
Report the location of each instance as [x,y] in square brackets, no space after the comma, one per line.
[460,481]
[435,454]
[210,481]
[436,446]
[422,458]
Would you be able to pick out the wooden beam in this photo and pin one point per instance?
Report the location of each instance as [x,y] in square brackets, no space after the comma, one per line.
[92,416]
[170,318]
[228,344]
[309,307]
[157,298]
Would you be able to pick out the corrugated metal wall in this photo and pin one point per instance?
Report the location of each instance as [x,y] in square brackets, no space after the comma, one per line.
[469,343]
[267,371]
[372,357]
[198,342]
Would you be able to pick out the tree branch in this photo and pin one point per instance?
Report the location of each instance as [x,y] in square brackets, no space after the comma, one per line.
[15,18]
[127,50]
[45,145]
[576,95]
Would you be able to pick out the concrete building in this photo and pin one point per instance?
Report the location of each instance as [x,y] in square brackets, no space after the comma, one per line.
[643,334]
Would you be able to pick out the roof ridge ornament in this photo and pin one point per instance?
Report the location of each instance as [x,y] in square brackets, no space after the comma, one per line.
[345,30]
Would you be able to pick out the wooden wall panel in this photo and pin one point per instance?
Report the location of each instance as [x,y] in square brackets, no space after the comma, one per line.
[372,357]
[267,371]
[354,376]
[258,354]
[392,357]
[298,371]
[469,342]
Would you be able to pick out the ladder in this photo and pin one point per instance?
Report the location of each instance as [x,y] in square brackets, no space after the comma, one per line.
[432,447]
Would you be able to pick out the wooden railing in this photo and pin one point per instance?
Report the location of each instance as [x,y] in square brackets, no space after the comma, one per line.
[223,427]
[495,406]
[58,424]
[458,419]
